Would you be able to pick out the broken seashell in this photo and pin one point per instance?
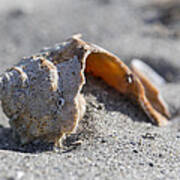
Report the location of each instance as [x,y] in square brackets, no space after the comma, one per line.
[41,94]
[147,75]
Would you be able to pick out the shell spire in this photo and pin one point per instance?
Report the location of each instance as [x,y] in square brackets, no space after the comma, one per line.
[41,94]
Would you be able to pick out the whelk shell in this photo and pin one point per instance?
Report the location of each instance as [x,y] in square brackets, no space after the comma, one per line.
[41,94]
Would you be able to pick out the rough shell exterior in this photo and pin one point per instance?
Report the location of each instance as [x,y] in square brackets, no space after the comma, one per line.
[41,94]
